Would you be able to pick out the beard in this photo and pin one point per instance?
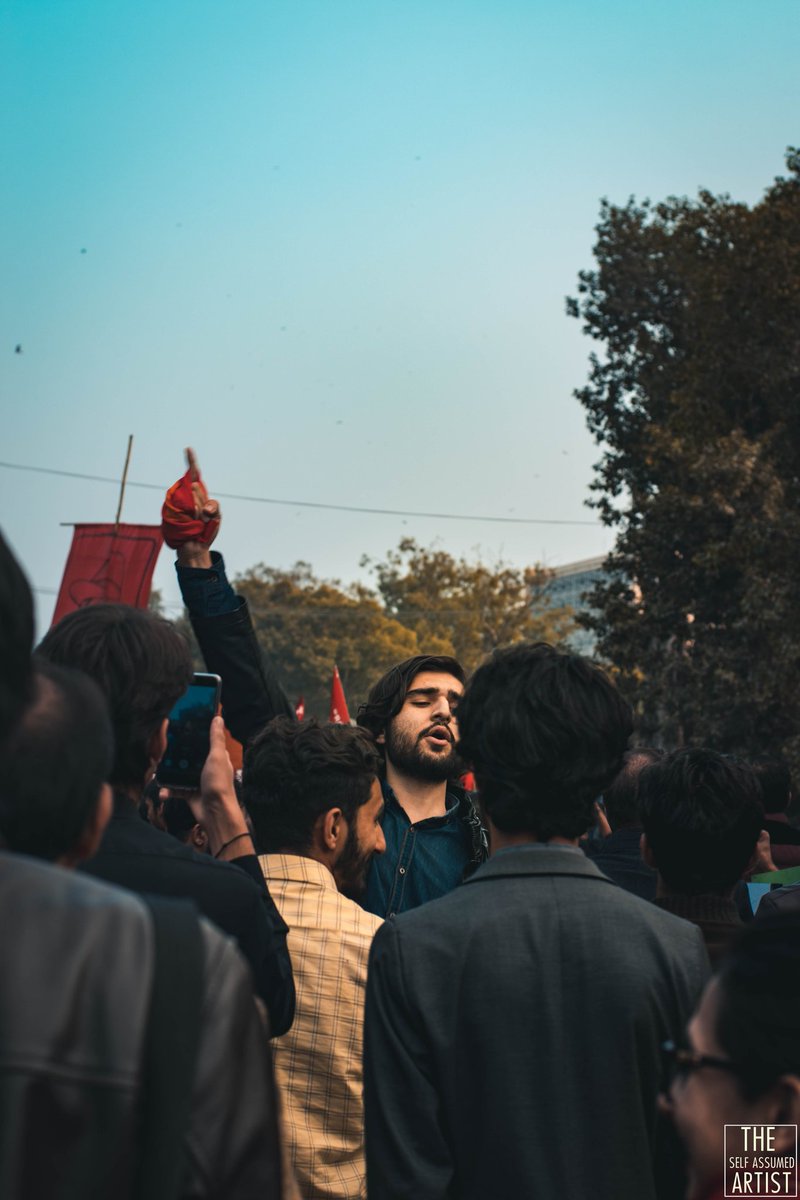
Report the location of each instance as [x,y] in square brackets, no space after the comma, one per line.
[351,869]
[410,755]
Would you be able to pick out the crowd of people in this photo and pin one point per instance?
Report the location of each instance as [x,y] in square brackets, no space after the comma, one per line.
[344,975]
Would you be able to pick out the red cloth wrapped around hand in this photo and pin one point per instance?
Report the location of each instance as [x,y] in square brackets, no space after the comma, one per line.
[178,521]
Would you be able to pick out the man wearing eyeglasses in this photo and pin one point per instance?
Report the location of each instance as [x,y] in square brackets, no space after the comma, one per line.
[513,1027]
[733,1088]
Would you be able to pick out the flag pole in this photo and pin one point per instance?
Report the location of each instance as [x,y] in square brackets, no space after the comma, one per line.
[122,485]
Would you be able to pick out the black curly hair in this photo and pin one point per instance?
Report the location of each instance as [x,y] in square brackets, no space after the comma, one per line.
[296,770]
[545,732]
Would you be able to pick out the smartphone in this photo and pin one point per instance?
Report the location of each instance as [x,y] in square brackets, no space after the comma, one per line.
[188,734]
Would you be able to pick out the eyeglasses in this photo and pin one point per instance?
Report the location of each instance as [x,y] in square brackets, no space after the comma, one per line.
[679,1062]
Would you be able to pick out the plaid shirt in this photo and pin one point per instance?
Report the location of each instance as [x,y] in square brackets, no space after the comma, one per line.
[318,1062]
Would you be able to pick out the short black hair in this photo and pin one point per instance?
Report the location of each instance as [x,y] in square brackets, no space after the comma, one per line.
[178,817]
[140,662]
[702,814]
[386,697]
[775,782]
[296,770]
[621,797]
[757,1022]
[54,763]
[16,640]
[545,731]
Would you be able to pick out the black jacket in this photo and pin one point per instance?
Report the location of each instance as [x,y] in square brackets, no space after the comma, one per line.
[134,855]
[74,992]
[512,1035]
[251,693]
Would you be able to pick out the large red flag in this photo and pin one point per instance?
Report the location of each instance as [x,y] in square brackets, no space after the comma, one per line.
[109,564]
[339,714]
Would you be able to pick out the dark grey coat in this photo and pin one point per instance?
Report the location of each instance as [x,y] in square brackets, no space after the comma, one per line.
[513,1033]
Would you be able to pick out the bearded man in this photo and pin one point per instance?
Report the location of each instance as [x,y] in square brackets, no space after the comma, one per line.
[433,834]
[313,796]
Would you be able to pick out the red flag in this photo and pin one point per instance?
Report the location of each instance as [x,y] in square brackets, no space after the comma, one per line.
[108,564]
[300,708]
[339,714]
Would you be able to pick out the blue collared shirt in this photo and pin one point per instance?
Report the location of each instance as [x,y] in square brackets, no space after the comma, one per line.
[422,861]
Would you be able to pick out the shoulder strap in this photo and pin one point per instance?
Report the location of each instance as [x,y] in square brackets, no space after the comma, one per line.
[170,1049]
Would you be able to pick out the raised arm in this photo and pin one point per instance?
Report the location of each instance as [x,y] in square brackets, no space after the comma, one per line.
[251,693]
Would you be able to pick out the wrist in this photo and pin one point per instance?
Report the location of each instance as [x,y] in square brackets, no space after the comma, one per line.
[195,556]
[234,847]
[222,825]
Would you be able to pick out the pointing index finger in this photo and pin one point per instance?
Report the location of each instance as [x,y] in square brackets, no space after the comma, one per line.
[194,473]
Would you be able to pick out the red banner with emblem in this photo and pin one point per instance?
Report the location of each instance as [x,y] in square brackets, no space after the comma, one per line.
[109,564]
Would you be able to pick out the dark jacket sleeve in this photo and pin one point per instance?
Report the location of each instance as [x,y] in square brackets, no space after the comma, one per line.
[262,940]
[251,693]
[408,1157]
[233,1141]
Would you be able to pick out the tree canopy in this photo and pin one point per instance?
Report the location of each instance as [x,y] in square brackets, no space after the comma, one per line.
[306,624]
[695,402]
[466,609]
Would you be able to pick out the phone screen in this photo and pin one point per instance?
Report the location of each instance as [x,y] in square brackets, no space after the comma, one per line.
[188,733]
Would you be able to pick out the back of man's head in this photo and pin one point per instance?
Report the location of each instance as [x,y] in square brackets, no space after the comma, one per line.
[544,732]
[386,697]
[296,771]
[701,814]
[775,782]
[54,764]
[16,640]
[140,663]
[621,797]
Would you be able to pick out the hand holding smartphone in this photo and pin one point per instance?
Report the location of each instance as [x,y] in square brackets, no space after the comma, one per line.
[188,734]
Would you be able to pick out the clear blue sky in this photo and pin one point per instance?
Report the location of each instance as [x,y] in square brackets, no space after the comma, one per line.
[327,242]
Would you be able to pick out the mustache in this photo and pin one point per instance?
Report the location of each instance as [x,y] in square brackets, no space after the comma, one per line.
[439,726]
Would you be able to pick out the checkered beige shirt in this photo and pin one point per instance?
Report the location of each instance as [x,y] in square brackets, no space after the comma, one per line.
[318,1062]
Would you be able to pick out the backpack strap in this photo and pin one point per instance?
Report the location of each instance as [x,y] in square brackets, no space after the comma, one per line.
[171,1042]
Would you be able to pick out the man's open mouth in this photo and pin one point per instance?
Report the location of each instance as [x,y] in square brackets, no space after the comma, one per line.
[440,735]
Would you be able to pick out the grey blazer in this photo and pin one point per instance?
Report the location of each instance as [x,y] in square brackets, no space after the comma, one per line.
[513,1032]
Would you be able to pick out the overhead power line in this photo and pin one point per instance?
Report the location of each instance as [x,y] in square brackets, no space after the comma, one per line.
[353,508]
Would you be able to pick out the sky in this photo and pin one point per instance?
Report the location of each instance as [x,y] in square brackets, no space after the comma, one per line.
[328,244]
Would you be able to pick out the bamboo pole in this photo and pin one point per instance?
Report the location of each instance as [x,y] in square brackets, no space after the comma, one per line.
[124,479]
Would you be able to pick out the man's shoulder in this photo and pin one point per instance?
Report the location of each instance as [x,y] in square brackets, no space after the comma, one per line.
[781,900]
[28,884]
[586,897]
[156,858]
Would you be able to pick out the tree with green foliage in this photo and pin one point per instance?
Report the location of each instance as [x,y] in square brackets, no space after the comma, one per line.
[306,624]
[695,402]
[464,608]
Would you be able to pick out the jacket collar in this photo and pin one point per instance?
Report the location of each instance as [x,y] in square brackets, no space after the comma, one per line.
[539,859]
[297,868]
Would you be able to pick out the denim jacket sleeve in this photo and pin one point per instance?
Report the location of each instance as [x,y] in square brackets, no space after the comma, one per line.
[251,693]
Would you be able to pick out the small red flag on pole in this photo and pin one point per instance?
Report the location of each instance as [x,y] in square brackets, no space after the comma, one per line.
[339,714]
[109,564]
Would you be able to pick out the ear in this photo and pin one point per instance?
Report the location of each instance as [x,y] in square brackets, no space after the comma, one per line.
[199,839]
[156,749]
[92,835]
[380,738]
[647,854]
[332,828]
